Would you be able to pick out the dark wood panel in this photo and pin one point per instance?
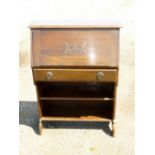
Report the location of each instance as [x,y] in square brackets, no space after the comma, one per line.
[80,47]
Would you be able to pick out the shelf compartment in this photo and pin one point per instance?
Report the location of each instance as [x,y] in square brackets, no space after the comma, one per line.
[77,110]
[104,91]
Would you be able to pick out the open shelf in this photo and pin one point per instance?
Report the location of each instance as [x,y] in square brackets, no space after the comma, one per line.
[76,110]
[77,99]
[82,118]
[76,91]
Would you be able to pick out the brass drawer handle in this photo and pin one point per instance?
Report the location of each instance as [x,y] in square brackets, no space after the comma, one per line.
[49,75]
[99,76]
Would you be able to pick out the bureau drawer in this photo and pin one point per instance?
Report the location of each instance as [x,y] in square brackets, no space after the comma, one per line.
[79,75]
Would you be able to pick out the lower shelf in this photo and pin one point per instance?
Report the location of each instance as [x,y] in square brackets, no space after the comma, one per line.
[76,110]
[82,118]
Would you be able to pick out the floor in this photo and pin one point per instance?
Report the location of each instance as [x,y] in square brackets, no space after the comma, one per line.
[61,138]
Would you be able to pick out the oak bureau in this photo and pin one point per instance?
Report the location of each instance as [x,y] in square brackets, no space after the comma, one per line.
[75,70]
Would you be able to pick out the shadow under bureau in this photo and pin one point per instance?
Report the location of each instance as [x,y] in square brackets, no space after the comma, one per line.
[75,70]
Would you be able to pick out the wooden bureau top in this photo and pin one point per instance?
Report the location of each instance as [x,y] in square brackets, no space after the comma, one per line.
[75,45]
[76,24]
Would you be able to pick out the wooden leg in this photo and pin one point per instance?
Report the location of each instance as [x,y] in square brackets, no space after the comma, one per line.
[40,127]
[113,128]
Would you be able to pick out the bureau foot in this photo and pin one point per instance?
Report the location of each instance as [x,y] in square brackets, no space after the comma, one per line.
[40,127]
[113,128]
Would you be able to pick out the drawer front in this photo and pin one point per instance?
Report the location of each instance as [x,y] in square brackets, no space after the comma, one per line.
[79,75]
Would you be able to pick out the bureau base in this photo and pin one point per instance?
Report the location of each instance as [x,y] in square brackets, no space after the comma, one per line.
[76,101]
[41,126]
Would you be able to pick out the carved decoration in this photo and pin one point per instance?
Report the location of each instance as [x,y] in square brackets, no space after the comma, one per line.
[75,48]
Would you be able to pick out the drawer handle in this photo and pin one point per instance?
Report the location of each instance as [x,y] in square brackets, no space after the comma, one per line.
[100,76]
[49,75]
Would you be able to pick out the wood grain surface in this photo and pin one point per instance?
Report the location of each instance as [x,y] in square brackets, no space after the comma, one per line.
[83,48]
